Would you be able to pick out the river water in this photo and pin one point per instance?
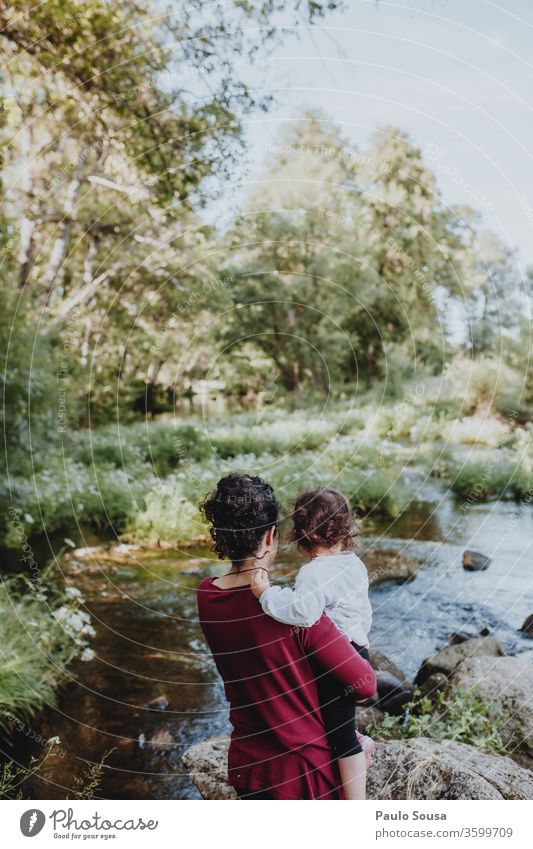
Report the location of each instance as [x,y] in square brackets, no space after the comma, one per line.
[149,646]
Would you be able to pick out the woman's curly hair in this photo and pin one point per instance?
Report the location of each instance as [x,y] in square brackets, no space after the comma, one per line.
[323,518]
[239,511]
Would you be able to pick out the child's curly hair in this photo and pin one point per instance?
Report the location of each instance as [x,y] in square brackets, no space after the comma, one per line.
[323,518]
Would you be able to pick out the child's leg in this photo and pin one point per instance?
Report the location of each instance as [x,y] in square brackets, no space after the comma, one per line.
[338,711]
[353,776]
[368,746]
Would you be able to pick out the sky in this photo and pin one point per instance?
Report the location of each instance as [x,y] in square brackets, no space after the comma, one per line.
[457,76]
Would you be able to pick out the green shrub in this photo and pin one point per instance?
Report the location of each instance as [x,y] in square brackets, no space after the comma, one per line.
[287,434]
[461,716]
[499,476]
[162,445]
[41,631]
[481,383]
[107,445]
[67,493]
[438,460]
[169,515]
[350,424]
[166,445]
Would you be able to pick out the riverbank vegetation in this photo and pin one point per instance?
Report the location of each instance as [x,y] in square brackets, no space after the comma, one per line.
[354,329]
[144,480]
[460,715]
[43,630]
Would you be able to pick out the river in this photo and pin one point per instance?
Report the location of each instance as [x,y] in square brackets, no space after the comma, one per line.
[149,646]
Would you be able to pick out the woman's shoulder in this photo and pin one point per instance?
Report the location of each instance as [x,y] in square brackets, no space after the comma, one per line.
[205,586]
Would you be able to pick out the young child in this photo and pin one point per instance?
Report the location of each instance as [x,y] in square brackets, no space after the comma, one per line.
[335,582]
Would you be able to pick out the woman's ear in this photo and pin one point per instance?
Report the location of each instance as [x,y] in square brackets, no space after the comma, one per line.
[270,536]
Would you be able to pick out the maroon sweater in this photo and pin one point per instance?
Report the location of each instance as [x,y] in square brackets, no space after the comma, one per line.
[278,743]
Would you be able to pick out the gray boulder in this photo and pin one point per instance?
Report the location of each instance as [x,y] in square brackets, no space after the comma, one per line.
[505,685]
[401,769]
[386,565]
[433,684]
[392,695]
[443,769]
[207,765]
[383,663]
[448,659]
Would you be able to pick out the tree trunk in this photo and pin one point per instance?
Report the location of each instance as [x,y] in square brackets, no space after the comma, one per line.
[371,359]
[59,251]
[26,254]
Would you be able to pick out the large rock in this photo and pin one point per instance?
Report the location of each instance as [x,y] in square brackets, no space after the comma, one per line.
[393,689]
[448,659]
[392,695]
[401,769]
[444,769]
[505,685]
[207,765]
[385,565]
[433,684]
[383,663]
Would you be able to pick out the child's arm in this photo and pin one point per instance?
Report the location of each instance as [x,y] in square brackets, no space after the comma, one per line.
[304,605]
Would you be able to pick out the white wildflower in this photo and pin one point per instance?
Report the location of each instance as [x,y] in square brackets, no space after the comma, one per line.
[87,655]
[61,614]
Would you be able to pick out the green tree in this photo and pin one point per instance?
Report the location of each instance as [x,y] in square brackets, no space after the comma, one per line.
[341,257]
[114,117]
[292,275]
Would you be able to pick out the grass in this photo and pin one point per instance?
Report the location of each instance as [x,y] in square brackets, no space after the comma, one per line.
[41,632]
[13,777]
[461,716]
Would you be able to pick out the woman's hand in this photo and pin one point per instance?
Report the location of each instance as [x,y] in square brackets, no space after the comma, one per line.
[259,581]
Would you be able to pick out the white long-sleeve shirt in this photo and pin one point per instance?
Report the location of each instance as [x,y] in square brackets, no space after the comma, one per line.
[336,584]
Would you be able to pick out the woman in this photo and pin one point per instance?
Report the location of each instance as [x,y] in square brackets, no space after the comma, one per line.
[278,748]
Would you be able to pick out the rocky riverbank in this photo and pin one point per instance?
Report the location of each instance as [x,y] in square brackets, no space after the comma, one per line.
[382,564]
[422,767]
[401,769]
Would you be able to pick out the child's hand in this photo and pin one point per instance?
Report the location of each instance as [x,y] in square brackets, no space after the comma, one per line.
[259,581]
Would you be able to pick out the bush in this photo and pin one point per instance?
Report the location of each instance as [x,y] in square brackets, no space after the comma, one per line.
[481,383]
[461,716]
[162,445]
[503,473]
[476,429]
[169,515]
[286,435]
[41,632]
[68,493]
[438,460]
